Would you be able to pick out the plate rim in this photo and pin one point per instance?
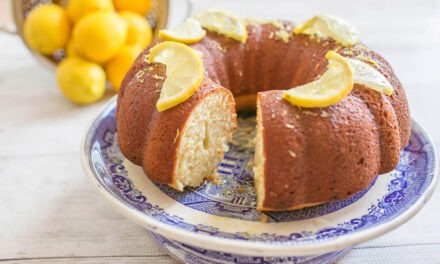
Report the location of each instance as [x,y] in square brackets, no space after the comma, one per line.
[257,248]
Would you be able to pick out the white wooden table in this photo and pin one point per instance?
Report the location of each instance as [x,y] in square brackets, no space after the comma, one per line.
[50,213]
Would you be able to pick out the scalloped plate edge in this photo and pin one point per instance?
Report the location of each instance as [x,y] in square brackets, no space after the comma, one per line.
[248,247]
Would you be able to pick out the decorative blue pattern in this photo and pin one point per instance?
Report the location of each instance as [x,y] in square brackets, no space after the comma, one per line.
[194,255]
[234,196]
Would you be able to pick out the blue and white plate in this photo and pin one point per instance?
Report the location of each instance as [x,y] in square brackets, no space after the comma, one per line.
[219,223]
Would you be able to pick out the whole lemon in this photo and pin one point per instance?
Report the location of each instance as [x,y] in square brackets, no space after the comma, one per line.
[118,67]
[139,30]
[141,7]
[46,29]
[81,81]
[99,36]
[76,9]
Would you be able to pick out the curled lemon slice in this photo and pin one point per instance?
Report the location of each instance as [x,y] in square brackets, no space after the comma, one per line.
[189,32]
[330,88]
[224,23]
[324,25]
[184,71]
[366,75]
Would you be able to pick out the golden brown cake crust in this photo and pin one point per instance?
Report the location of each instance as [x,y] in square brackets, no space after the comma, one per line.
[312,155]
[317,155]
[146,136]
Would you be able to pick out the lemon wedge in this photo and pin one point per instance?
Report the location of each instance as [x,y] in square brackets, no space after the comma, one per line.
[188,32]
[224,23]
[365,74]
[184,71]
[324,25]
[330,88]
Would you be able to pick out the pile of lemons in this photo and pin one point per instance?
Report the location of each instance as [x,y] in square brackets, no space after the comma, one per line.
[101,39]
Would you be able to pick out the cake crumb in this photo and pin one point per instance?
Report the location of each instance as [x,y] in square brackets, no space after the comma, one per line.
[240,73]
[176,137]
[214,178]
[284,113]
[292,154]
[271,35]
[286,186]
[283,35]
[158,90]
[264,218]
[139,76]
[324,114]
[250,163]
[157,77]
[297,116]
[220,47]
[306,112]
[290,126]
[145,58]
[283,32]
[150,68]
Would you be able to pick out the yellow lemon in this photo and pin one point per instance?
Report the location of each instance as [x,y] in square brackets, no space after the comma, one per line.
[184,72]
[117,67]
[81,81]
[76,9]
[330,88]
[188,32]
[99,36]
[223,22]
[141,7]
[365,74]
[46,29]
[324,25]
[139,30]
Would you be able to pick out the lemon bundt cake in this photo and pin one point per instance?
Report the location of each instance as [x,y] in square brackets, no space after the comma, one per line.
[303,155]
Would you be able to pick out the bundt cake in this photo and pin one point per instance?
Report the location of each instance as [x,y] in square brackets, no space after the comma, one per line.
[303,156]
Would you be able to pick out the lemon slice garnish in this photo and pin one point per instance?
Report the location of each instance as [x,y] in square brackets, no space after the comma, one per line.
[324,25]
[184,71]
[189,32]
[224,23]
[365,74]
[330,88]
